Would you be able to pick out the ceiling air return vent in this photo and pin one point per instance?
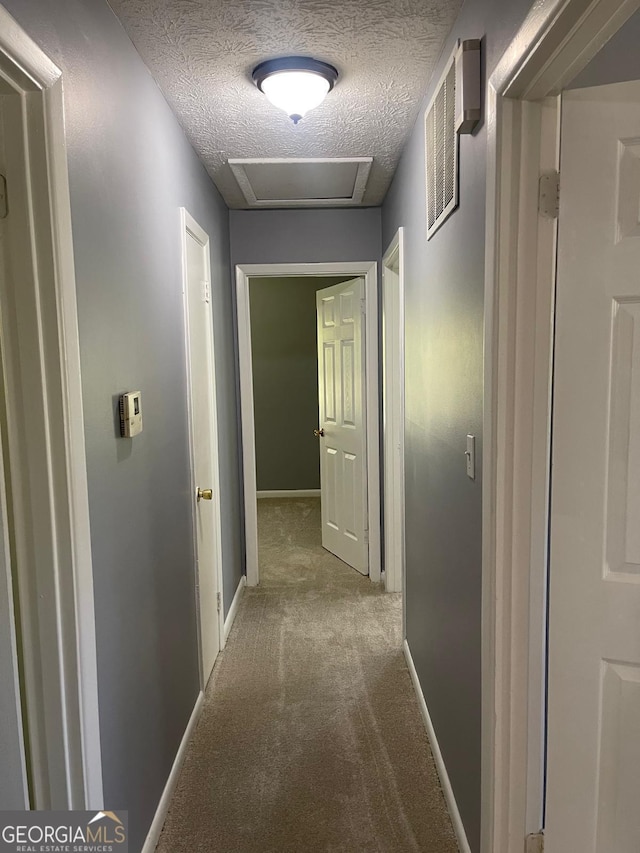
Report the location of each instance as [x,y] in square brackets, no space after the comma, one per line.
[441,142]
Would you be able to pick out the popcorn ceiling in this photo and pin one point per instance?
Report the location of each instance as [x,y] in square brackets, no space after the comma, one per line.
[202,52]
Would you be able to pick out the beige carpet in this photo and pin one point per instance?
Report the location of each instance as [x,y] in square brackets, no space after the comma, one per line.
[311,738]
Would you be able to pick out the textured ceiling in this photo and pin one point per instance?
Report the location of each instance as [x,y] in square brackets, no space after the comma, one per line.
[202,52]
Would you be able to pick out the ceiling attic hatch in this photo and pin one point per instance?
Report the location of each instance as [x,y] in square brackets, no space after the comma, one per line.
[302,182]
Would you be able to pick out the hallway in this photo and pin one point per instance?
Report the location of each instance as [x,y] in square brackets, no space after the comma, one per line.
[310,738]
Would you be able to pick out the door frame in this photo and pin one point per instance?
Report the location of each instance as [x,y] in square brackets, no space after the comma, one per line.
[555,42]
[51,503]
[369,271]
[188,225]
[393,279]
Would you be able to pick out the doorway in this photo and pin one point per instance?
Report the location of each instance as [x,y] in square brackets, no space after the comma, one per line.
[393,412]
[14,783]
[521,321]
[308,387]
[371,432]
[50,668]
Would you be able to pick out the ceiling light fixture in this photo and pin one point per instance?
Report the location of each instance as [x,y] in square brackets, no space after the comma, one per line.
[295,84]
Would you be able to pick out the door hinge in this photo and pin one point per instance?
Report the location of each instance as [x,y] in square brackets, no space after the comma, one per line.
[366,536]
[549,195]
[534,843]
[219,601]
[206,291]
[4,206]
[363,305]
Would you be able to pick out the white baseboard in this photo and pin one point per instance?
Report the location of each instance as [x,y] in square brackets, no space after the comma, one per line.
[290,493]
[165,800]
[231,615]
[449,796]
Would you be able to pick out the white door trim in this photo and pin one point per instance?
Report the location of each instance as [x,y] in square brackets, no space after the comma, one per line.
[369,270]
[555,42]
[61,666]
[393,277]
[188,225]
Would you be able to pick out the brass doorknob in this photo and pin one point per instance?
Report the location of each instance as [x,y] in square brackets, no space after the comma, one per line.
[204,494]
[318,433]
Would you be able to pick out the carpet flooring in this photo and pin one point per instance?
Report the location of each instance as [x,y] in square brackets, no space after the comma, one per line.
[311,740]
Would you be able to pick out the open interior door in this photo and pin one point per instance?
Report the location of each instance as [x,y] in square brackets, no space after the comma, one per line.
[342,429]
[594,596]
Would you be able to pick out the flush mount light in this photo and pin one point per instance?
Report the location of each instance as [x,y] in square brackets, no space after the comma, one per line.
[295,84]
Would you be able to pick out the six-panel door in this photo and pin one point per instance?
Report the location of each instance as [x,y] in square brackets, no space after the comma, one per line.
[341,384]
[594,598]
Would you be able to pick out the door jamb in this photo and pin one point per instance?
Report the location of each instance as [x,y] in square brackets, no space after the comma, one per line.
[555,42]
[369,270]
[393,263]
[188,225]
[59,639]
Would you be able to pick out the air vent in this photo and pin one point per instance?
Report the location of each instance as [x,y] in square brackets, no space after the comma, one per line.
[441,159]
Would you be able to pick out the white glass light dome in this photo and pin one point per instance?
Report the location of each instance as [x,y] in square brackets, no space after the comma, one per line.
[295,84]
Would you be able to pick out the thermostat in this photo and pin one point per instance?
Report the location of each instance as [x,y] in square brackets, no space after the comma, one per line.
[130,414]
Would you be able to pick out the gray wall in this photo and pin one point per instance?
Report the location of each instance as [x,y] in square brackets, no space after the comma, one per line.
[305,236]
[444,331]
[617,62]
[285,380]
[131,168]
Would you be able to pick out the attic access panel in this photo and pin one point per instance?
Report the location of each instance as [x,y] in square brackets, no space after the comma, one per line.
[302,182]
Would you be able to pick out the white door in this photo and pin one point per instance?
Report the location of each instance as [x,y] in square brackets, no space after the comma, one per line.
[341,386]
[593,793]
[204,444]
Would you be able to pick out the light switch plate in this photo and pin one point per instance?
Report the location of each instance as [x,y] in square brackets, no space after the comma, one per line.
[470,454]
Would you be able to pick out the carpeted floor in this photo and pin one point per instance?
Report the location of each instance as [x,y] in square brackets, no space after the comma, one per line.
[311,740]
